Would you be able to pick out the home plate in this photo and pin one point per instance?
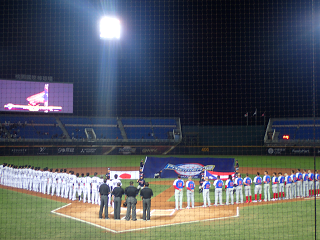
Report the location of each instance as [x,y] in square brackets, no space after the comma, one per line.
[162,212]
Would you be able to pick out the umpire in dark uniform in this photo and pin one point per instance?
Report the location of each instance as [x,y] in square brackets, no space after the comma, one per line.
[130,196]
[104,191]
[117,195]
[146,195]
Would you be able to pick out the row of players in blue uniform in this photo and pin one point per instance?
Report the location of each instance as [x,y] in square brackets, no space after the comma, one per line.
[295,185]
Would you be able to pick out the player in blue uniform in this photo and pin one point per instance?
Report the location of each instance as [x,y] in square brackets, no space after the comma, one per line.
[299,183]
[229,190]
[178,185]
[239,188]
[205,193]
[218,184]
[257,187]
[274,182]
[310,183]
[247,188]
[281,186]
[190,192]
[305,183]
[293,184]
[288,182]
[317,178]
[266,186]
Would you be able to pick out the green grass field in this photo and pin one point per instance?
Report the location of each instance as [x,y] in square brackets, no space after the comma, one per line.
[134,160]
[28,217]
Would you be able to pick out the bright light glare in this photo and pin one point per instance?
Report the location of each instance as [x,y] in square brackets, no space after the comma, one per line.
[109,28]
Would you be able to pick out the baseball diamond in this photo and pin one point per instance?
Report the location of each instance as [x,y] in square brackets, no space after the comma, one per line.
[163,213]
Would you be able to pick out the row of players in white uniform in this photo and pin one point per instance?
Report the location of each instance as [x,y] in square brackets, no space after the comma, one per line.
[58,182]
[295,185]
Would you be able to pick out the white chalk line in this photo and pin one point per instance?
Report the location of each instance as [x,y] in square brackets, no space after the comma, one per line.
[143,228]
[172,224]
[80,220]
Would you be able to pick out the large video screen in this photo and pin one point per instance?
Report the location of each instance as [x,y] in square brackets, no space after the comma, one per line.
[23,96]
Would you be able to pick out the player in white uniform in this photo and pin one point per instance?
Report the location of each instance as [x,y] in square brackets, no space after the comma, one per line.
[54,177]
[87,189]
[49,186]
[266,180]
[36,180]
[110,184]
[1,173]
[29,178]
[23,177]
[18,177]
[95,181]
[5,174]
[44,180]
[65,178]
[73,185]
[59,182]
[82,185]
[115,181]
[274,182]
[100,182]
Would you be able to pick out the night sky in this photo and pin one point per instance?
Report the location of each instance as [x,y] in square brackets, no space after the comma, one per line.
[207,62]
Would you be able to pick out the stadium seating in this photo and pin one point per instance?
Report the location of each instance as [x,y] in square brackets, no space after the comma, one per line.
[104,128]
[153,129]
[31,127]
[74,128]
[297,130]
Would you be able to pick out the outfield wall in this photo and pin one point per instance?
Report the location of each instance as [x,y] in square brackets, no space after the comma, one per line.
[156,150]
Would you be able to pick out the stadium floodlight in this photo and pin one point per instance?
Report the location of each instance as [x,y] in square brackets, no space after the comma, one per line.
[109,28]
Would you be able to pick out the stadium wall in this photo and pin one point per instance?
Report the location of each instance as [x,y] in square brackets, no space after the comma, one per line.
[223,135]
[157,150]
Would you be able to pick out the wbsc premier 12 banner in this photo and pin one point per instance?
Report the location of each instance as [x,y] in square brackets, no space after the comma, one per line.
[186,167]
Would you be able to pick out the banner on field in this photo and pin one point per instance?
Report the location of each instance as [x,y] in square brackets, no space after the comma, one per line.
[125,174]
[212,175]
[186,167]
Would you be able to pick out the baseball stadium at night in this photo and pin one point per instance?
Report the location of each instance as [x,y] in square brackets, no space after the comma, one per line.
[159,119]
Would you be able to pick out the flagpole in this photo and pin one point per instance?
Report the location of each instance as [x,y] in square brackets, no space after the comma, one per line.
[256,114]
[247,120]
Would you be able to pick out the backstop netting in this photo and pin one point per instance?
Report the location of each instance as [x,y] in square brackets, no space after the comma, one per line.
[212,105]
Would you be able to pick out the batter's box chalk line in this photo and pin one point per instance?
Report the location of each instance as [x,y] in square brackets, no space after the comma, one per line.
[143,228]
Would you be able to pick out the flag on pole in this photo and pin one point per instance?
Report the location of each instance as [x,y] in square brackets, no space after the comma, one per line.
[263,114]
[255,113]
[246,115]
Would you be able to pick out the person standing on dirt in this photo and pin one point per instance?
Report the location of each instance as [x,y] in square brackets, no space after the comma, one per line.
[236,166]
[130,197]
[146,194]
[104,191]
[117,195]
